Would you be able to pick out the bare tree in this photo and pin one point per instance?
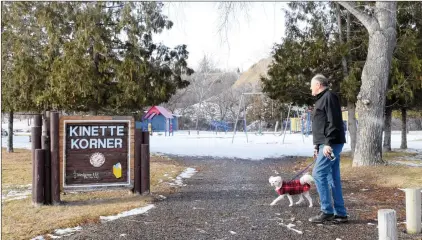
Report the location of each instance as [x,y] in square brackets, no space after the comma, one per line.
[202,82]
[226,99]
[380,22]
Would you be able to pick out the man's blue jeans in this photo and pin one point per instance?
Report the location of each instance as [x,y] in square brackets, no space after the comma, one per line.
[327,176]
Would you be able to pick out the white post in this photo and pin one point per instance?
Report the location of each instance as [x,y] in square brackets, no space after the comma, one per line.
[413,210]
[387,224]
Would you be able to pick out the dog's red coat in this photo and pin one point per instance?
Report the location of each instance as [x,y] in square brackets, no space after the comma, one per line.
[293,187]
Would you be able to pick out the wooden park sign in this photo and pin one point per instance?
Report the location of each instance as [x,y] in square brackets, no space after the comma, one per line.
[96,151]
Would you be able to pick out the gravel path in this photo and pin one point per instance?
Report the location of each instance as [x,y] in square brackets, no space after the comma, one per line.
[228,199]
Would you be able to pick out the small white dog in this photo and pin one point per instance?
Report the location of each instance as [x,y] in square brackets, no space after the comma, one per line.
[295,187]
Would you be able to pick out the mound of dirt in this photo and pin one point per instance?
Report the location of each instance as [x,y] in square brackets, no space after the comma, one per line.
[253,75]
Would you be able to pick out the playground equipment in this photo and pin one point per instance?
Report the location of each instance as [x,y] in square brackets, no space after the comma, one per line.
[222,125]
[242,100]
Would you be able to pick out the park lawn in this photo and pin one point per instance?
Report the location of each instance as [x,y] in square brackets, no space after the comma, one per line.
[385,176]
[21,220]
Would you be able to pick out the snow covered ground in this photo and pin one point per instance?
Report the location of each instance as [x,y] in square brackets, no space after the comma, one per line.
[255,147]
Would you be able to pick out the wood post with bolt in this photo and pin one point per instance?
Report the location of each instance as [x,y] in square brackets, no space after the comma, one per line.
[38,185]
[387,224]
[55,159]
[35,144]
[45,144]
[137,162]
[145,173]
[141,183]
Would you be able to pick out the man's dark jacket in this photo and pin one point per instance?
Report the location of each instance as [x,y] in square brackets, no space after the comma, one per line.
[327,120]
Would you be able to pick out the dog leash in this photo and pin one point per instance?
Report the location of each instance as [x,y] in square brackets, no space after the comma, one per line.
[297,175]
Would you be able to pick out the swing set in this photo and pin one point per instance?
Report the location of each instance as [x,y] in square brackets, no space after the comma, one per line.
[302,122]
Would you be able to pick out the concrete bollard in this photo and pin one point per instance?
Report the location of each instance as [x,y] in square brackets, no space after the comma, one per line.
[413,210]
[387,224]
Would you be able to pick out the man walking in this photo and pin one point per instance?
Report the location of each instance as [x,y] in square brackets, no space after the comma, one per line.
[328,138]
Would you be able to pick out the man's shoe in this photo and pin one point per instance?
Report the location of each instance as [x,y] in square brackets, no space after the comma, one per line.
[340,219]
[321,217]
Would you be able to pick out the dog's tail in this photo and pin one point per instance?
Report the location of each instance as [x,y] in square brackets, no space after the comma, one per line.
[307,178]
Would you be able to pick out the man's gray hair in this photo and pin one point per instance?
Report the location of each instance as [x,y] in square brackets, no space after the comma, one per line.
[321,79]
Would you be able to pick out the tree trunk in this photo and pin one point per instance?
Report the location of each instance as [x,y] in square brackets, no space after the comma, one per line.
[340,34]
[351,111]
[387,129]
[197,119]
[10,133]
[351,107]
[418,123]
[403,144]
[371,98]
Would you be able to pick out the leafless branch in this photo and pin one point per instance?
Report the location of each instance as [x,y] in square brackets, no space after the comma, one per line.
[228,12]
[368,21]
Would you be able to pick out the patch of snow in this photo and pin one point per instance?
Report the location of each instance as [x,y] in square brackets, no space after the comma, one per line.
[290,226]
[256,148]
[188,173]
[38,238]
[233,233]
[65,231]
[59,233]
[409,164]
[15,195]
[55,237]
[123,235]
[135,211]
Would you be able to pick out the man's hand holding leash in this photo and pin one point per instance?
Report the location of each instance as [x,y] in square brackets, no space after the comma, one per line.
[316,151]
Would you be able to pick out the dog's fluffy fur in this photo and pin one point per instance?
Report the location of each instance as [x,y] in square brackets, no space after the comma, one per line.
[277,182]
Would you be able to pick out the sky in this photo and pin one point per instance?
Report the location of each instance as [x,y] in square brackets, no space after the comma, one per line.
[250,36]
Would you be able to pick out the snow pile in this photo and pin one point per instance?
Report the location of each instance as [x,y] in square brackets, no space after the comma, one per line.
[132,212]
[188,173]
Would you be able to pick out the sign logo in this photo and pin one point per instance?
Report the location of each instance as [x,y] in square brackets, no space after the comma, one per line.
[97,159]
[117,170]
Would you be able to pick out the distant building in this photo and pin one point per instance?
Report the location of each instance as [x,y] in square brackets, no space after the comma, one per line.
[161,119]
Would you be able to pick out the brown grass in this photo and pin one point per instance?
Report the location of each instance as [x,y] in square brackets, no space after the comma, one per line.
[384,176]
[16,168]
[21,220]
